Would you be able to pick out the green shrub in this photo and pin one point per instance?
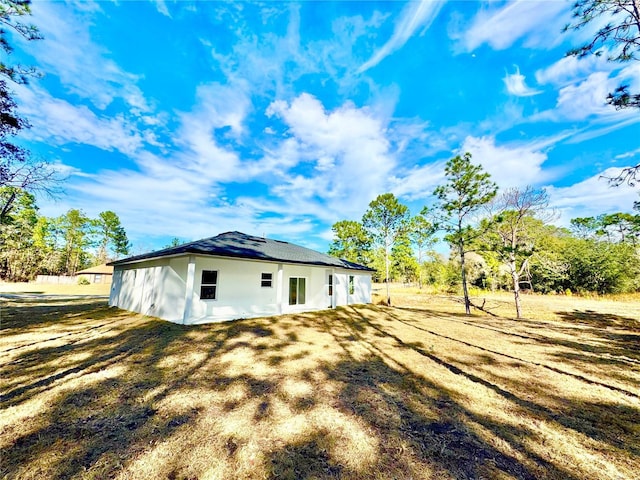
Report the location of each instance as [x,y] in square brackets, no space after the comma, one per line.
[83,281]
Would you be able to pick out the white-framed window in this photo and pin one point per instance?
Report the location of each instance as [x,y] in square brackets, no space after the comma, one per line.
[297,290]
[266,280]
[209,285]
[352,288]
[330,285]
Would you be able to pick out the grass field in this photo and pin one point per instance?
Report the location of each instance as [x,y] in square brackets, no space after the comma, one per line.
[414,391]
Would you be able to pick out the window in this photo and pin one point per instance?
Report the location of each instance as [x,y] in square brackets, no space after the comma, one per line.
[297,291]
[352,289]
[330,285]
[209,285]
[266,280]
[97,278]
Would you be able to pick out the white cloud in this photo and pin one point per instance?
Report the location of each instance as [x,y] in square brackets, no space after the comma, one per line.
[351,140]
[511,165]
[161,6]
[593,131]
[630,154]
[591,197]
[218,107]
[59,122]
[572,69]
[84,68]
[517,86]
[588,98]
[418,182]
[415,15]
[539,23]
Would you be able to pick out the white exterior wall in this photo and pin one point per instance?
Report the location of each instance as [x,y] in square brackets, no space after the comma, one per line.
[159,288]
[361,287]
[154,288]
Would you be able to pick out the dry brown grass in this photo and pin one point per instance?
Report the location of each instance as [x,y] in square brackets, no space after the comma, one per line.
[413,391]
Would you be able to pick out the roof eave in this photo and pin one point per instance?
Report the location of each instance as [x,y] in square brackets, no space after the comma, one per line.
[133,260]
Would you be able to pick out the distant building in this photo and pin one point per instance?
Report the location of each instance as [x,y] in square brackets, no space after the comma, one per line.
[234,275]
[98,274]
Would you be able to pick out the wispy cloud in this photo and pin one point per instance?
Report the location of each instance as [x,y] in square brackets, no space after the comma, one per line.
[592,196]
[415,16]
[537,22]
[162,8]
[587,99]
[84,67]
[516,85]
[58,122]
[571,69]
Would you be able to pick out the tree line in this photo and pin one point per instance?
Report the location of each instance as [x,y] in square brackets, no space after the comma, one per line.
[32,244]
[497,241]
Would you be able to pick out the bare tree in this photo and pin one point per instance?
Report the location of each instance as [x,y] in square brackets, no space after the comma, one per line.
[509,237]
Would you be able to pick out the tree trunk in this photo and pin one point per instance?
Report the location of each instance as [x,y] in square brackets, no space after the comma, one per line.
[467,303]
[515,277]
[386,274]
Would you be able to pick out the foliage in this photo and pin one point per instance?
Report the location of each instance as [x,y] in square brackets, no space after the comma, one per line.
[83,281]
[422,235]
[602,267]
[467,189]
[386,220]
[403,262]
[18,255]
[351,242]
[111,236]
[31,244]
[595,264]
[175,242]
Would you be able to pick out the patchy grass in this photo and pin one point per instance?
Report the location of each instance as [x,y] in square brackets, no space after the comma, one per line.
[413,391]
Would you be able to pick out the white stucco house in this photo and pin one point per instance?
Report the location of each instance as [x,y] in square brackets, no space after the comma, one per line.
[234,275]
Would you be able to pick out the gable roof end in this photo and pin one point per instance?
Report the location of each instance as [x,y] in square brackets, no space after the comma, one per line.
[241,245]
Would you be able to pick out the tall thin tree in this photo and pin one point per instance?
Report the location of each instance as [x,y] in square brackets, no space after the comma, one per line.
[467,189]
[387,220]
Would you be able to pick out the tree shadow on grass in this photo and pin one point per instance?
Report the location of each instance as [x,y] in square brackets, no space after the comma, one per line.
[92,433]
[306,458]
[418,426]
[594,346]
[19,316]
[587,418]
[600,320]
[420,433]
[93,424]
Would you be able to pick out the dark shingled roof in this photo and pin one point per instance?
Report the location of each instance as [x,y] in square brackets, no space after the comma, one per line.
[240,245]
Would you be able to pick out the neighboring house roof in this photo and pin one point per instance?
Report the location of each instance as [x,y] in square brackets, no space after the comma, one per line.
[103,269]
[241,245]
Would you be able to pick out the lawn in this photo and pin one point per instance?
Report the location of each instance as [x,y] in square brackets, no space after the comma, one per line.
[363,392]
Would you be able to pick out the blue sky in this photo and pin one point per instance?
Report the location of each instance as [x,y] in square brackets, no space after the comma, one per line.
[281,118]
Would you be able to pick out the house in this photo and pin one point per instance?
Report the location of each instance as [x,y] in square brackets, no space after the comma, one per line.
[234,275]
[98,274]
